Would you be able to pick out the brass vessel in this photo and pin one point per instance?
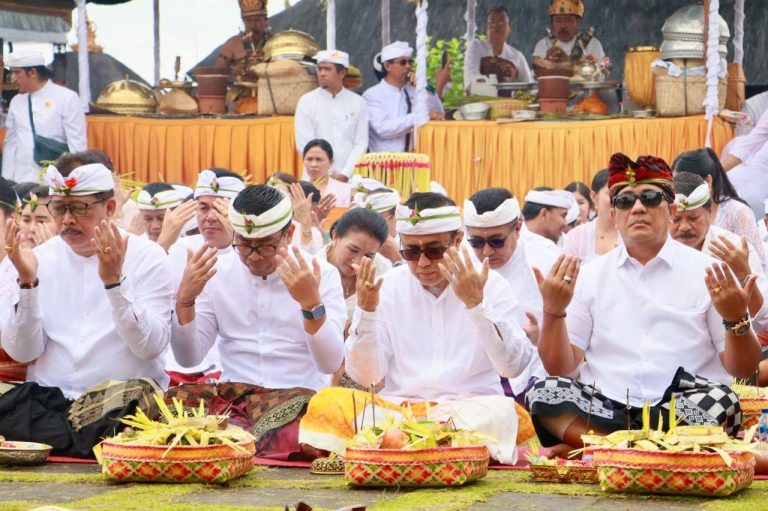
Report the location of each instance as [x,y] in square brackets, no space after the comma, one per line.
[127,97]
[290,44]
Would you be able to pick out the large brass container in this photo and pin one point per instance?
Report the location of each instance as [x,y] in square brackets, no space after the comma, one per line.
[290,44]
[127,96]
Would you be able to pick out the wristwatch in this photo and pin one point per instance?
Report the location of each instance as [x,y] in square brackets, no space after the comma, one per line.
[739,327]
[315,313]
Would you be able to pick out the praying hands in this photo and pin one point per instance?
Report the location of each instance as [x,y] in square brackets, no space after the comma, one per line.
[23,259]
[110,248]
[467,283]
[301,280]
[557,288]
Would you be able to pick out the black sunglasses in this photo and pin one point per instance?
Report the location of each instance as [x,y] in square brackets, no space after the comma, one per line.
[649,198]
[414,253]
[479,243]
[403,62]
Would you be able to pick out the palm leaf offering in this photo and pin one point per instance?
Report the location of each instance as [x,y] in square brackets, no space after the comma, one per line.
[413,434]
[179,426]
[677,439]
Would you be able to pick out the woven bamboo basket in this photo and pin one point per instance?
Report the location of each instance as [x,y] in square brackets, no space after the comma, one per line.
[564,474]
[444,466]
[210,464]
[684,95]
[751,408]
[503,108]
[674,473]
[281,85]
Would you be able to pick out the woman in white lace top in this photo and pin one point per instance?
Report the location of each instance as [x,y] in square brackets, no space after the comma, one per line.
[732,213]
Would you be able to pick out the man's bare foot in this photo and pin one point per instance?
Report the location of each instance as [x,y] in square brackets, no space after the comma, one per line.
[561,451]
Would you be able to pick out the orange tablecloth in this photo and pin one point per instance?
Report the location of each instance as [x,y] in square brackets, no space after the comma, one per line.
[178,149]
[471,155]
[466,156]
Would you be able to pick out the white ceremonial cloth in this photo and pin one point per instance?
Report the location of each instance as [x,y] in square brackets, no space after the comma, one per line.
[635,332]
[388,117]
[58,114]
[341,120]
[433,348]
[80,334]
[479,49]
[261,330]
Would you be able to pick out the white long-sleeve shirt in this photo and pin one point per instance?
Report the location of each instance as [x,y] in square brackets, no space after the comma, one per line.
[388,117]
[479,49]
[433,348]
[262,340]
[80,334]
[341,120]
[58,114]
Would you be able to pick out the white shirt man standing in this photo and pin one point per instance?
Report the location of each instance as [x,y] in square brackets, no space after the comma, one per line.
[333,113]
[56,110]
[392,102]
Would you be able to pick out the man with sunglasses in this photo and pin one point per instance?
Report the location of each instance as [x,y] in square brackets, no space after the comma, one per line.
[653,318]
[392,101]
[94,305]
[438,328]
[278,314]
[493,222]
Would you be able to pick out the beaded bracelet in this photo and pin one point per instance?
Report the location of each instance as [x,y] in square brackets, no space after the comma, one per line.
[184,303]
[552,314]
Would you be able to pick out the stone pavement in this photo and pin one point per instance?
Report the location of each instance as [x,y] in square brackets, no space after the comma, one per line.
[77,487]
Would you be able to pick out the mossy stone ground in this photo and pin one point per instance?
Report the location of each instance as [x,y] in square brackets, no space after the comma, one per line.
[82,487]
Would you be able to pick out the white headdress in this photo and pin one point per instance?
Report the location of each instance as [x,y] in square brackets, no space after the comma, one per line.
[84,180]
[552,198]
[427,221]
[265,224]
[507,212]
[167,199]
[209,184]
[698,197]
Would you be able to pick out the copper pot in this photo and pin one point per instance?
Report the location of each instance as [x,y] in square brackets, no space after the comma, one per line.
[554,87]
[211,81]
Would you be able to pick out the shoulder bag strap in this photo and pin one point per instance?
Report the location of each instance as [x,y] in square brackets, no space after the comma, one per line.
[31,119]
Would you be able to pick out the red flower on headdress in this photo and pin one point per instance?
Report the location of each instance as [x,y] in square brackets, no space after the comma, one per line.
[249,225]
[70,182]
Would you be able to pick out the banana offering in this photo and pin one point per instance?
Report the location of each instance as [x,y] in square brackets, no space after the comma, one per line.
[181,427]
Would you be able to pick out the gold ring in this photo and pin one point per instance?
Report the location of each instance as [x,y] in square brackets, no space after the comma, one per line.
[106,250]
[9,248]
[369,284]
[716,290]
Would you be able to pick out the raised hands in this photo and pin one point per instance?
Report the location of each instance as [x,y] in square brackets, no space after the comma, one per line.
[174,221]
[23,259]
[325,206]
[467,283]
[301,204]
[110,248]
[301,279]
[737,258]
[221,210]
[728,297]
[557,288]
[367,286]
[199,270]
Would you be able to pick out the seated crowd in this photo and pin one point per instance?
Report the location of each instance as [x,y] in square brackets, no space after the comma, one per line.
[566,314]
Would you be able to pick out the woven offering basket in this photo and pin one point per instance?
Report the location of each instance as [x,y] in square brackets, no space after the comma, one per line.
[281,85]
[751,408]
[211,464]
[444,466]
[503,108]
[676,473]
[684,95]
[564,474]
